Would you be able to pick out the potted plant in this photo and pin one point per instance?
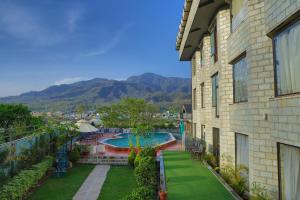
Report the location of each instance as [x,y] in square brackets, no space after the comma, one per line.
[162,195]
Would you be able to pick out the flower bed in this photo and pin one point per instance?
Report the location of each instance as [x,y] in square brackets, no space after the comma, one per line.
[19,185]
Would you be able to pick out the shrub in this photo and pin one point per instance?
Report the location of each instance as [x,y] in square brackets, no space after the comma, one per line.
[131,157]
[211,160]
[235,177]
[145,173]
[137,160]
[141,193]
[17,187]
[148,151]
[3,154]
[74,155]
[259,192]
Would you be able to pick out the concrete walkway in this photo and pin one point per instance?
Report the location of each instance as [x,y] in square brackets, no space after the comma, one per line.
[91,187]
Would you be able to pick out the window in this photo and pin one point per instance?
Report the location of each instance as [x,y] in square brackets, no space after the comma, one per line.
[241,149]
[242,154]
[289,171]
[202,132]
[202,56]
[240,80]
[195,129]
[215,93]
[202,95]
[213,43]
[194,99]
[287,59]
[194,67]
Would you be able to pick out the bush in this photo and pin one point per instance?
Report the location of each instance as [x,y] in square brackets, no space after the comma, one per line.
[137,160]
[211,160]
[145,173]
[235,177]
[3,154]
[141,193]
[148,151]
[74,155]
[131,157]
[19,185]
[259,192]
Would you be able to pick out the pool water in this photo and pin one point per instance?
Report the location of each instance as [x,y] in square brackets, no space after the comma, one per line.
[153,139]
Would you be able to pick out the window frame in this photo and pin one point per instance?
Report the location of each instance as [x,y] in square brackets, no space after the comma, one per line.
[203,134]
[217,91]
[279,166]
[194,67]
[236,60]
[202,95]
[235,146]
[194,99]
[281,29]
[215,32]
[202,56]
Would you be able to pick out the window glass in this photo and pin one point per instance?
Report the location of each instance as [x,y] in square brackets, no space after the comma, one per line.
[290,171]
[202,95]
[202,57]
[215,93]
[240,78]
[195,98]
[213,44]
[242,150]
[287,48]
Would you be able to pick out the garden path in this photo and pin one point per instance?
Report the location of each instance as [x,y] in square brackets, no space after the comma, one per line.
[91,187]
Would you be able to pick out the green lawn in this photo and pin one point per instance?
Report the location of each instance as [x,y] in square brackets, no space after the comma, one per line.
[63,188]
[189,179]
[120,182]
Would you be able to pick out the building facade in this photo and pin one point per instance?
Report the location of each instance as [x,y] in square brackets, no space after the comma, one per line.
[245,60]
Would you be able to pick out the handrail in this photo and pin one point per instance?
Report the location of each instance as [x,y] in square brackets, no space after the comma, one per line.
[162,174]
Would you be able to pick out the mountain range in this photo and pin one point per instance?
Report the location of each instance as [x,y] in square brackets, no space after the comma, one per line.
[165,91]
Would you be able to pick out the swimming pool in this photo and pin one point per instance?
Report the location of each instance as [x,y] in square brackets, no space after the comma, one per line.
[153,139]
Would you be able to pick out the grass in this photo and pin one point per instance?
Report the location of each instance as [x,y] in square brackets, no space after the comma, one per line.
[63,188]
[189,179]
[120,182]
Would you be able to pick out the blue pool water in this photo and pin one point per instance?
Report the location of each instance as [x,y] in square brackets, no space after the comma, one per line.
[153,139]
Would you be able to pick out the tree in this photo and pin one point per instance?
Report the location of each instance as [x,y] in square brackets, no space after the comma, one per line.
[132,113]
[128,112]
[80,109]
[17,121]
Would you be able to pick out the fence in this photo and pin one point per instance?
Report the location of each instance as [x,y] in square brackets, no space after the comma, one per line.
[21,154]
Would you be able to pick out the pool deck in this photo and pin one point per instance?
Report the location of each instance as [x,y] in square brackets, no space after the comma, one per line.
[176,145]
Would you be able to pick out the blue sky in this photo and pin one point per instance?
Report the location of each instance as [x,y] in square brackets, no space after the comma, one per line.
[47,42]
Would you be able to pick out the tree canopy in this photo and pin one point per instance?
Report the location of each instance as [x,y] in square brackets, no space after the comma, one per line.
[128,113]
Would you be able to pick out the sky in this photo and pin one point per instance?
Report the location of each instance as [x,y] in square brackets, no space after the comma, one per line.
[52,42]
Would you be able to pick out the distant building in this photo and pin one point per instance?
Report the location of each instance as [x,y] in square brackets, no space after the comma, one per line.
[245,60]
[185,115]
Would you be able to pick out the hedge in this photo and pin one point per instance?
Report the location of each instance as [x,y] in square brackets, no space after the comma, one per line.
[145,175]
[20,184]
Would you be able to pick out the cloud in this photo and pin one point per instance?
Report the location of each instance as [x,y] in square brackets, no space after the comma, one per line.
[73,16]
[114,41]
[69,80]
[27,24]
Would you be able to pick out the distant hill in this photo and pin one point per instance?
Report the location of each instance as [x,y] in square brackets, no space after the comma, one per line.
[164,91]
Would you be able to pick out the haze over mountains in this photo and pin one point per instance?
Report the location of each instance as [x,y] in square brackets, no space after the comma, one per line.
[165,91]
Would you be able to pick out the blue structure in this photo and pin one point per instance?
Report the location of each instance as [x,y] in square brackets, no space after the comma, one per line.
[61,161]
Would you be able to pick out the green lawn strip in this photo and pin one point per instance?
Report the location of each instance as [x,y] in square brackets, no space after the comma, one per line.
[189,179]
[120,182]
[63,188]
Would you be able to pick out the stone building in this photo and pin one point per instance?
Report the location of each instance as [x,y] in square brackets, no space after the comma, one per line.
[245,60]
